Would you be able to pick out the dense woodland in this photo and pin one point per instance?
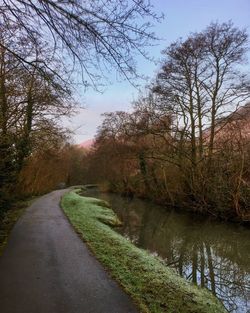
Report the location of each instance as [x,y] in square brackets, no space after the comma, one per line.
[186,143]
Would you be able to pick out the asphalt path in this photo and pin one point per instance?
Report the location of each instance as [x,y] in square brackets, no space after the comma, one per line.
[46,268]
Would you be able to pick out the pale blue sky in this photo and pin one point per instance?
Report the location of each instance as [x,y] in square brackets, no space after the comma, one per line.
[181,18]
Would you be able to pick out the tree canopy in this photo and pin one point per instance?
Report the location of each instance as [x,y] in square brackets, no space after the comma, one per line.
[86,35]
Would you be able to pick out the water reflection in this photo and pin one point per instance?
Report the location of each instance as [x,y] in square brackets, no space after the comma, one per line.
[211,254]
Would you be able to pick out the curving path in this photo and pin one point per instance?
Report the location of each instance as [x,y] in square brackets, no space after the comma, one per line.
[46,268]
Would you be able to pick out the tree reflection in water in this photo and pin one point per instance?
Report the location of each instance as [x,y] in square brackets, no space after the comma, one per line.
[208,267]
[211,254]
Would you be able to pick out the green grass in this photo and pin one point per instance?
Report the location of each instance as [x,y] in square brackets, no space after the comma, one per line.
[152,285]
[10,218]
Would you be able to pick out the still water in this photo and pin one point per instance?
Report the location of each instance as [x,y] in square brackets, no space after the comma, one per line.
[208,253]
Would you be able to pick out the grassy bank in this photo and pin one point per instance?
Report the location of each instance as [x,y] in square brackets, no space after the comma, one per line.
[9,219]
[153,286]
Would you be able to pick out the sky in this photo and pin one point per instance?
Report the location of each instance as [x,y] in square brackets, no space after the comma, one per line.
[181,18]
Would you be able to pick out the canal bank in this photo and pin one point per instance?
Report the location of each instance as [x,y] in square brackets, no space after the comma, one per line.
[153,286]
[209,253]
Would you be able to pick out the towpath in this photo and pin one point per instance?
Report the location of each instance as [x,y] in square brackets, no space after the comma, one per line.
[46,268]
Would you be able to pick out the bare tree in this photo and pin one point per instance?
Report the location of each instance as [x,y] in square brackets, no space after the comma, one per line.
[91,35]
[201,81]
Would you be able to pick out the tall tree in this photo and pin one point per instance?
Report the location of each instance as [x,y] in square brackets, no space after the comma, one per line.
[30,103]
[201,79]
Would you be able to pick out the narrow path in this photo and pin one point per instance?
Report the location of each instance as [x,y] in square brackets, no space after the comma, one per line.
[46,268]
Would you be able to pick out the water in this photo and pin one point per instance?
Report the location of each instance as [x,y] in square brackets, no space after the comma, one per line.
[211,254]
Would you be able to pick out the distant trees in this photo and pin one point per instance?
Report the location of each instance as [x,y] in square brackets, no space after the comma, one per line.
[52,167]
[176,134]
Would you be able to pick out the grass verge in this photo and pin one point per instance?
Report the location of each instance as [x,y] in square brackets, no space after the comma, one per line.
[10,218]
[152,285]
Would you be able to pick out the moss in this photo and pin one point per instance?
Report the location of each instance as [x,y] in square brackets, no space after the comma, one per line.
[10,218]
[153,286]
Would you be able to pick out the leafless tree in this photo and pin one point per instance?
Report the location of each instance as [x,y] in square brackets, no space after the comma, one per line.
[202,79]
[90,35]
